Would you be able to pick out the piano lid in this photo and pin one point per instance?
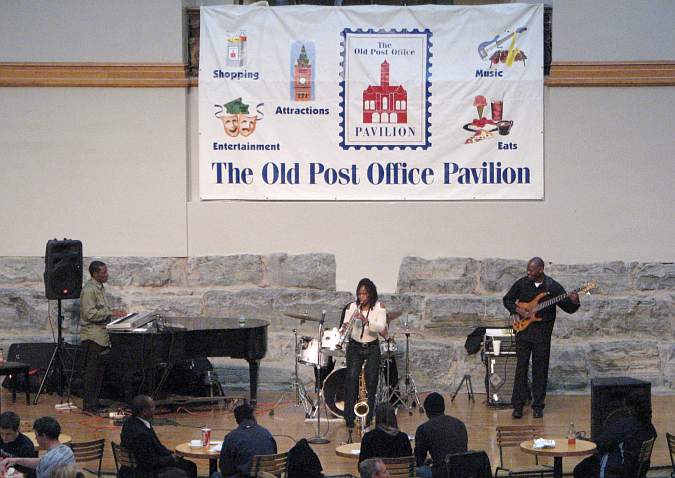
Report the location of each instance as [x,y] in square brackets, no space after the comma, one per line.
[211,323]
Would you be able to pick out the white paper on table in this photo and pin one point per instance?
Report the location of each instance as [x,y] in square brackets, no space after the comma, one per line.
[543,443]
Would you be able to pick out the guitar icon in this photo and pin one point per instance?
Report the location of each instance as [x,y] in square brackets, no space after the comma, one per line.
[485,48]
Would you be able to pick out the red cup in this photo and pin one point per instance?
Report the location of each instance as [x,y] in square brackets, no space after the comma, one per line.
[206,436]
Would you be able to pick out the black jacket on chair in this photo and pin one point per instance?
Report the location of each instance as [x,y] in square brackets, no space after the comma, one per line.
[471,464]
[148,451]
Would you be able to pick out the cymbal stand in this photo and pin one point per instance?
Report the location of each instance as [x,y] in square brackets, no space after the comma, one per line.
[412,397]
[318,439]
[392,390]
[301,395]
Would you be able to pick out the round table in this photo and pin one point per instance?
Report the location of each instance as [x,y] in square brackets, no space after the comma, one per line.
[559,451]
[353,450]
[201,453]
[349,450]
[63,438]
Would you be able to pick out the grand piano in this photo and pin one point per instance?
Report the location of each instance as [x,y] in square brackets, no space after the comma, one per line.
[141,359]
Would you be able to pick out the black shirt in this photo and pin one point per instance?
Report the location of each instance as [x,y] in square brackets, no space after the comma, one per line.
[525,290]
[378,443]
[21,447]
[440,436]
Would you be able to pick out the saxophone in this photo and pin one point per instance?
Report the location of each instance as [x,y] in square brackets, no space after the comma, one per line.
[361,408]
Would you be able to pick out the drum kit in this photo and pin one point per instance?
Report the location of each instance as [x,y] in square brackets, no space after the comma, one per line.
[316,352]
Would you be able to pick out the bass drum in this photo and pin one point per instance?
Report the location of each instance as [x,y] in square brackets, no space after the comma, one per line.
[334,391]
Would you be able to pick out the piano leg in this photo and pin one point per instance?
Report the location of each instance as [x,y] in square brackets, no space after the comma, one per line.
[253,366]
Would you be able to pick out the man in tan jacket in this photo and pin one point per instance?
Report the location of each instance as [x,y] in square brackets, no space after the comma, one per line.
[95,313]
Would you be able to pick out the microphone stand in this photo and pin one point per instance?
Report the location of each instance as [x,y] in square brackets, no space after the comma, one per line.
[318,439]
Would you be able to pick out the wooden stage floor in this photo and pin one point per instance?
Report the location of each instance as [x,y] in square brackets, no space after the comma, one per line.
[288,424]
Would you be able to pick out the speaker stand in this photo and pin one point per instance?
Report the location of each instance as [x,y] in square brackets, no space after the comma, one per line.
[56,361]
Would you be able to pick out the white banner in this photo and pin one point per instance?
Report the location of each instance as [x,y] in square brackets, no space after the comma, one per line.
[371,103]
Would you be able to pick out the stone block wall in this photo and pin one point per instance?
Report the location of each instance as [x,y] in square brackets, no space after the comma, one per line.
[625,328]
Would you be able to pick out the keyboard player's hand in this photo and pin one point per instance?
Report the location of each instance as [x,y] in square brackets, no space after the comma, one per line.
[119,313]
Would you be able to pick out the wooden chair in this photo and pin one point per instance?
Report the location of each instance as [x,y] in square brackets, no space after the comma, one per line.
[88,451]
[123,459]
[671,448]
[275,465]
[512,436]
[644,457]
[401,467]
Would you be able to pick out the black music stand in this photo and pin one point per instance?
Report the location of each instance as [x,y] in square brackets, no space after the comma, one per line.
[466,379]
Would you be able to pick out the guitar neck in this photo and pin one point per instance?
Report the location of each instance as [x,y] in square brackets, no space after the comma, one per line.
[554,300]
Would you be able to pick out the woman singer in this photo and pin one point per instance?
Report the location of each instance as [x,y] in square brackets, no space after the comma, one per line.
[367,317]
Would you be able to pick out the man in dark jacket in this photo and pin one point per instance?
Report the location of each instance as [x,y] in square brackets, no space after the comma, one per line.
[138,436]
[535,340]
[438,436]
[619,443]
[243,443]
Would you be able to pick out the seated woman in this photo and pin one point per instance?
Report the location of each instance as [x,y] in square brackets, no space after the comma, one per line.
[386,440]
[620,442]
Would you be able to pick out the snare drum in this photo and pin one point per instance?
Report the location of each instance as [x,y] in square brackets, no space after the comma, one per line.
[388,349]
[308,352]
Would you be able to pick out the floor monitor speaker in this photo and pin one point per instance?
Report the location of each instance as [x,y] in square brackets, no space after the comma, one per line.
[607,399]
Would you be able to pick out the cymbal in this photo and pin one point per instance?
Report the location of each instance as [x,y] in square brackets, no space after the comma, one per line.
[393,315]
[302,317]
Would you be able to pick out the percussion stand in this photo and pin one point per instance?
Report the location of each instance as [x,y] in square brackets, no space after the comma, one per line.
[301,395]
[391,392]
[412,397]
[318,439]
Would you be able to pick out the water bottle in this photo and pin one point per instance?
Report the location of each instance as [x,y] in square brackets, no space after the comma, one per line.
[242,321]
[571,435]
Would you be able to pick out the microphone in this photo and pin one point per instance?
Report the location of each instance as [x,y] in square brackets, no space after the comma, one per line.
[323,316]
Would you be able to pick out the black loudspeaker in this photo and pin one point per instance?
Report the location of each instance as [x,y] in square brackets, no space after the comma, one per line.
[63,269]
[607,399]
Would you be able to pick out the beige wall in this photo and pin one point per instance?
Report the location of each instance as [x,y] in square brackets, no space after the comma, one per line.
[106,166]
[117,167]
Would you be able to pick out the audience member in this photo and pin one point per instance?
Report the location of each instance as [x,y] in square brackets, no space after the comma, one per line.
[47,431]
[139,437]
[13,443]
[440,435]
[243,443]
[385,441]
[619,443]
[373,468]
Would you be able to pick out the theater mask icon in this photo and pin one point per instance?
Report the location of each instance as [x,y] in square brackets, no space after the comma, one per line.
[236,118]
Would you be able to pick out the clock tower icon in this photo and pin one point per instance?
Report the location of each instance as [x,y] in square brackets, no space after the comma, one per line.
[302,77]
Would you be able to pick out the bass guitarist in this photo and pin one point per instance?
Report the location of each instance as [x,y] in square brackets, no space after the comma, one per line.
[535,339]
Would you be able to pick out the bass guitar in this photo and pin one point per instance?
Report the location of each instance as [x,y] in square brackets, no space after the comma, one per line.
[520,323]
